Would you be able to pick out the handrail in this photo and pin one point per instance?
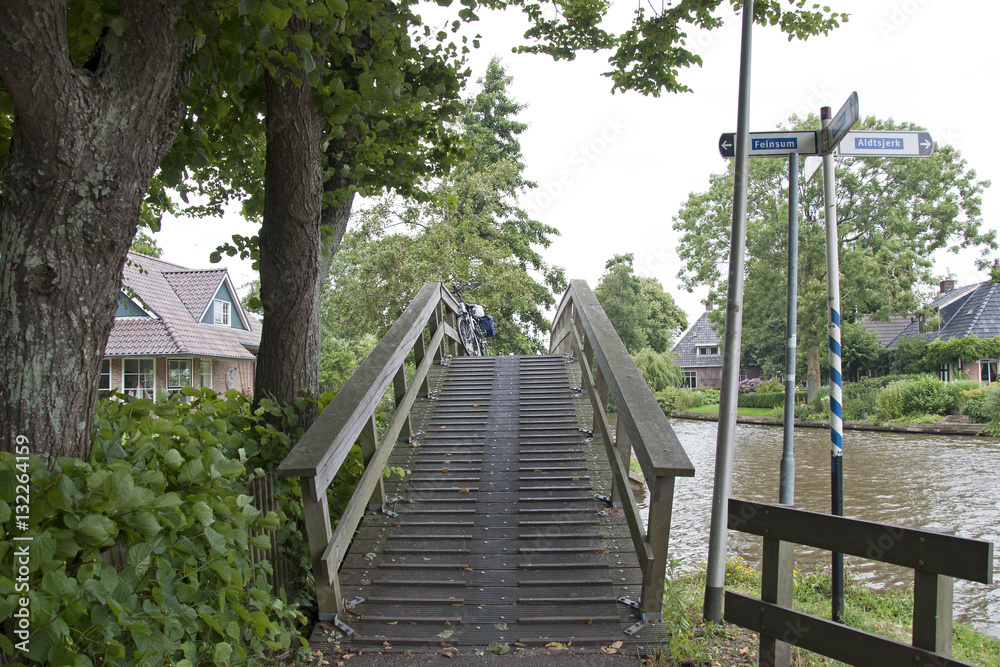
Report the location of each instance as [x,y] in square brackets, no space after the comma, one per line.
[581,324]
[322,450]
[935,558]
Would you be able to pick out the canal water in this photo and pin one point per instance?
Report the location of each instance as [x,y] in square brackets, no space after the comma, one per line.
[911,480]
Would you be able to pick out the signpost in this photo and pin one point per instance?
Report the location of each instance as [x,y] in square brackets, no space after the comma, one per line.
[886,144]
[834,139]
[772,144]
[832,134]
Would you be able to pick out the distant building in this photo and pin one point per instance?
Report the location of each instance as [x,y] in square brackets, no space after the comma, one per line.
[973,310]
[699,353]
[178,327]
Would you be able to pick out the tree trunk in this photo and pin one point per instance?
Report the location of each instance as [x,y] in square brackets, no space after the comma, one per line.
[85,143]
[290,254]
[812,370]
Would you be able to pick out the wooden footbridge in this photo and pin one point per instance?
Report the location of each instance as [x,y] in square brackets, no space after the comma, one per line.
[515,523]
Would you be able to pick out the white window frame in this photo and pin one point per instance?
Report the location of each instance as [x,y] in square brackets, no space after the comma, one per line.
[706,350]
[221,312]
[690,379]
[205,364]
[104,374]
[170,362]
[146,392]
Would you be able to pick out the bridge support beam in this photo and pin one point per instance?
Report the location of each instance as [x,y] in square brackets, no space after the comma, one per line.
[316,511]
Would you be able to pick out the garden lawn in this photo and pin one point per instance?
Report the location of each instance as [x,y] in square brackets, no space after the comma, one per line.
[749,412]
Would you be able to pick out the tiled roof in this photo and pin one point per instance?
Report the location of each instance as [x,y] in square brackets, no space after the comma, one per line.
[700,333]
[177,296]
[195,288]
[973,310]
[887,331]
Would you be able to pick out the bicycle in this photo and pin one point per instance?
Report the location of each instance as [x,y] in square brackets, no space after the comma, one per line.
[470,330]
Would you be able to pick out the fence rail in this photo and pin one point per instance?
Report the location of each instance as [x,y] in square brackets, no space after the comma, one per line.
[582,326]
[350,418]
[935,557]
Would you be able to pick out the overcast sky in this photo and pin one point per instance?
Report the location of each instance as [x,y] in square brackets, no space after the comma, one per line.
[613,170]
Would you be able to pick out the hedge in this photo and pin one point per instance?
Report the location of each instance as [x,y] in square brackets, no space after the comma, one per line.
[768,400]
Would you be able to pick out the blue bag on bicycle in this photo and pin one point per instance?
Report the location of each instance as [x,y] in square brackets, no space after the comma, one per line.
[489,327]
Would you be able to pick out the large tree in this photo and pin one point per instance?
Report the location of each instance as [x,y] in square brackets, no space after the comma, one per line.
[92,96]
[892,214]
[471,229]
[643,314]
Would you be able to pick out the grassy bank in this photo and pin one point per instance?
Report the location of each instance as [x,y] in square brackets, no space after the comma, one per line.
[885,613]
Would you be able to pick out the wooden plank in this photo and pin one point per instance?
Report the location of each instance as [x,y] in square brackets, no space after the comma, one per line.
[776,588]
[933,602]
[324,447]
[840,642]
[916,549]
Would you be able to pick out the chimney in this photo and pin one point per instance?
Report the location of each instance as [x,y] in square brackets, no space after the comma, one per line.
[947,286]
[708,306]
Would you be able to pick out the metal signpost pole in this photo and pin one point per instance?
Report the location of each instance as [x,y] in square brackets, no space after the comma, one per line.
[716,572]
[786,487]
[836,392]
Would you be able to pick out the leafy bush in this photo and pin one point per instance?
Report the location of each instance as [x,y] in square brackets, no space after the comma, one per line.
[687,399]
[667,399]
[749,385]
[927,394]
[166,484]
[971,403]
[991,403]
[767,400]
[891,403]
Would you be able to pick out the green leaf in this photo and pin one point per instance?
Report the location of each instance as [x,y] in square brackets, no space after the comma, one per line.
[140,557]
[4,512]
[204,513]
[97,529]
[223,651]
[216,541]
[122,486]
[249,7]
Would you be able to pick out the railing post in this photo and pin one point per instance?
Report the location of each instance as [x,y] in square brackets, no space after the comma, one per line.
[316,512]
[419,351]
[624,448]
[369,444]
[933,599]
[661,503]
[399,391]
[776,588]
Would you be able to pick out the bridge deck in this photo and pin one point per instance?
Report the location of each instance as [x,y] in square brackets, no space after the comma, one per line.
[498,536]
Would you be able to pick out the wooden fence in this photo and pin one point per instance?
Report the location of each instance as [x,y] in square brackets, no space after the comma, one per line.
[935,557]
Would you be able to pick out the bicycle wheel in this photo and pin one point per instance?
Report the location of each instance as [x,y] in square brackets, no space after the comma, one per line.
[466,335]
[484,348]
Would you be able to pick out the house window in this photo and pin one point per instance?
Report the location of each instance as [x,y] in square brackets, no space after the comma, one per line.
[222,312]
[206,373]
[178,373]
[707,349]
[690,380]
[743,374]
[139,377]
[104,381]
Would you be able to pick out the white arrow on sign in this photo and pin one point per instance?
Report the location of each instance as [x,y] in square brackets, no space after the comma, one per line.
[886,144]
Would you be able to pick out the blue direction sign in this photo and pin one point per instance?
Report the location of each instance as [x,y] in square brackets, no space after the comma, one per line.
[832,134]
[887,144]
[772,144]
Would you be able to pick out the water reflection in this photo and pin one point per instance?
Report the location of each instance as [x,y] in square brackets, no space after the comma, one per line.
[916,481]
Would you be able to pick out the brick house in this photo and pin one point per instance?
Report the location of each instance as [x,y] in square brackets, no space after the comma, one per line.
[699,353]
[178,327]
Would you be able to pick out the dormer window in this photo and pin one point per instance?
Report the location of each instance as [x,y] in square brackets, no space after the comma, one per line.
[222,312]
[707,350]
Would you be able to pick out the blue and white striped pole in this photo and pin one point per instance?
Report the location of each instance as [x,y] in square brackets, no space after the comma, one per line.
[836,381]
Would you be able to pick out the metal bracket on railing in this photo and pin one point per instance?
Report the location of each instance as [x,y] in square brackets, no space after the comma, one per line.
[577,391]
[388,512]
[587,432]
[642,622]
[569,357]
[385,506]
[343,627]
[354,602]
[445,360]
[603,498]
[410,438]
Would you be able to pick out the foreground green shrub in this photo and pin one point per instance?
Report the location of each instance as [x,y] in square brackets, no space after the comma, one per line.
[166,485]
[688,398]
[667,399]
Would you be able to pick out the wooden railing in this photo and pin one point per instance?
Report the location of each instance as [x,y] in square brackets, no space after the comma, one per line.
[935,558]
[350,417]
[582,326]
